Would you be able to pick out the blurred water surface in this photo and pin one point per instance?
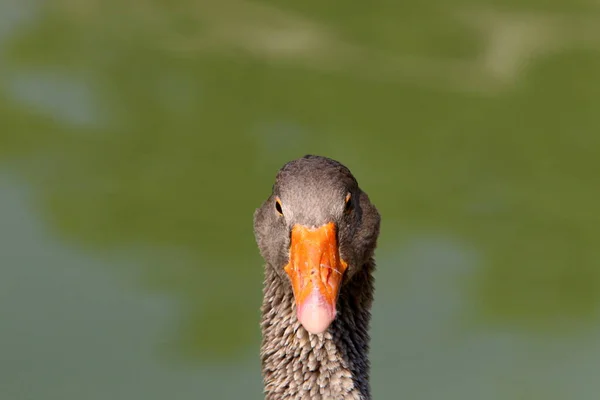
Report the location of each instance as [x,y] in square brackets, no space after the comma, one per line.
[138,137]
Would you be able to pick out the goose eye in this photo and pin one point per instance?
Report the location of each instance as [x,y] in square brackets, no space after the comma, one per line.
[348,200]
[278,206]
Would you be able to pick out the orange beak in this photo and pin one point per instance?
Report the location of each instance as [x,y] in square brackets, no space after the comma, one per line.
[316,271]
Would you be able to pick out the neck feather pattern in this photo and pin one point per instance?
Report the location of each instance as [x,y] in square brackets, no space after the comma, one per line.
[332,365]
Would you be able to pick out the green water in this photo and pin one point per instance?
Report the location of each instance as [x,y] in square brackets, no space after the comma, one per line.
[138,137]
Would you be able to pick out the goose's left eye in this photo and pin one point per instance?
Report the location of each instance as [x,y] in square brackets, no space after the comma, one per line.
[348,200]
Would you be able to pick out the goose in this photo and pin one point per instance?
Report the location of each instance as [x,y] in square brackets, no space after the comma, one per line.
[317,233]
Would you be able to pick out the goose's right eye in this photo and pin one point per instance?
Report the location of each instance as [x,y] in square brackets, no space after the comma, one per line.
[278,206]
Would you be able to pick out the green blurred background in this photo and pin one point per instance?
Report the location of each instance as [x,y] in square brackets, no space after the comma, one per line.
[137,137]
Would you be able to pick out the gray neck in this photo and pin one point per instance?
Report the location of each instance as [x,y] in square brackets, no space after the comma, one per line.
[331,365]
